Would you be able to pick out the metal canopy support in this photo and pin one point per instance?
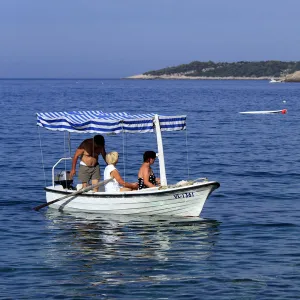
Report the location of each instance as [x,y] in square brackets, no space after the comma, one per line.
[69,136]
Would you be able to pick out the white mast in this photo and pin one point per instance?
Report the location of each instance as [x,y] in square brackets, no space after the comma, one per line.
[161,158]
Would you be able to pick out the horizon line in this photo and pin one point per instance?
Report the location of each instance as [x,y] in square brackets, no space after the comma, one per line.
[60,78]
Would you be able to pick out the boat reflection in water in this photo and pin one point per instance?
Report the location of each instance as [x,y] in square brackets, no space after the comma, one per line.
[114,249]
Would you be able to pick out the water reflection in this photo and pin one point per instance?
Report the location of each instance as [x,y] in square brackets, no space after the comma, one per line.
[117,248]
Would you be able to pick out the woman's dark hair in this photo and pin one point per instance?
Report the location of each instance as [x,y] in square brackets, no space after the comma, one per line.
[99,140]
[148,155]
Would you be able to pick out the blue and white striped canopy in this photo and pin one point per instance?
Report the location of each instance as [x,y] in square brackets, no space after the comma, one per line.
[100,122]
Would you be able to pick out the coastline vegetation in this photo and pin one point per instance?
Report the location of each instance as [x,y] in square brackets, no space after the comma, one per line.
[255,69]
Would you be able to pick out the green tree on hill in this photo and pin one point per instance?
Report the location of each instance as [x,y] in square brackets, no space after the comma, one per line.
[271,68]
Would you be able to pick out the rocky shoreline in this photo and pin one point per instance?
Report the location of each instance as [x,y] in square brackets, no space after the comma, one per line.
[183,77]
[295,77]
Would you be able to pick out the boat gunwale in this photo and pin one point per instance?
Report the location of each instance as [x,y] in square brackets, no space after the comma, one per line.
[131,194]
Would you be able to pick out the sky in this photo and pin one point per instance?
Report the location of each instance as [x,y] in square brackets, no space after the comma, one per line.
[119,38]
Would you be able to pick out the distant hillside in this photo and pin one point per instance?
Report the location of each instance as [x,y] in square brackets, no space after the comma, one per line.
[271,68]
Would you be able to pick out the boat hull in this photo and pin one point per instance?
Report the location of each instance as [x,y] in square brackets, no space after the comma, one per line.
[281,111]
[175,201]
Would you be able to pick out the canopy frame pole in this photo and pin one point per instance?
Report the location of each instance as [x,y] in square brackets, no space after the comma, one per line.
[161,158]
[69,140]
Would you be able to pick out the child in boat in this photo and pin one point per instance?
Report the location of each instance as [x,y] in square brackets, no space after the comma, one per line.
[146,177]
[117,184]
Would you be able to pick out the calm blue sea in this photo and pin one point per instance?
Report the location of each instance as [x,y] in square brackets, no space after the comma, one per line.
[246,244]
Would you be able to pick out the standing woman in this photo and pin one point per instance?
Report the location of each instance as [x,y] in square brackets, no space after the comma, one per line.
[117,184]
[146,177]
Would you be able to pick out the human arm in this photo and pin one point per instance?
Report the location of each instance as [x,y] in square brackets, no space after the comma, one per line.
[79,152]
[115,174]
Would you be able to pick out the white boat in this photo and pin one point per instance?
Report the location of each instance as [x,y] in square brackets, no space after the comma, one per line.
[184,199]
[264,112]
[274,81]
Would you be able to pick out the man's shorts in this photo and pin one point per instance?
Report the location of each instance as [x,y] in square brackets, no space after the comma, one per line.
[85,173]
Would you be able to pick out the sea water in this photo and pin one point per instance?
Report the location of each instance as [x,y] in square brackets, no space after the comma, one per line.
[246,243]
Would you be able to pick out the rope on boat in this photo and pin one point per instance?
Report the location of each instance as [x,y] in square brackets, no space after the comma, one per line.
[124,156]
[43,164]
[183,183]
[187,153]
[65,151]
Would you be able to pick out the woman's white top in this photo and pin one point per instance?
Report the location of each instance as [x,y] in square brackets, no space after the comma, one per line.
[112,186]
